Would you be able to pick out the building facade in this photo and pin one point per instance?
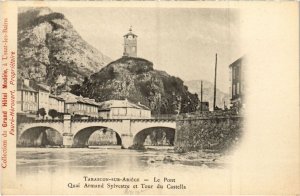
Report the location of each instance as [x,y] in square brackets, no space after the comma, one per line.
[56,103]
[237,82]
[123,109]
[27,99]
[43,95]
[130,44]
[80,106]
[33,96]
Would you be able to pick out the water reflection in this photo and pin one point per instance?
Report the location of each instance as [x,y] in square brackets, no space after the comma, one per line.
[32,161]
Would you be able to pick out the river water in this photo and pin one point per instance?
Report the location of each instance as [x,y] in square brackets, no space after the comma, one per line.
[82,160]
[52,163]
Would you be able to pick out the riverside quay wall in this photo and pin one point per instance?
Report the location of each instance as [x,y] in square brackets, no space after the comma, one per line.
[212,132]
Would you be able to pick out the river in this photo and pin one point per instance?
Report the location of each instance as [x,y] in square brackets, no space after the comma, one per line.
[35,164]
[82,160]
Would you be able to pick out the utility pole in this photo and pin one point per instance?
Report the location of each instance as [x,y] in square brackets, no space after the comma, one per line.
[215,84]
[201,101]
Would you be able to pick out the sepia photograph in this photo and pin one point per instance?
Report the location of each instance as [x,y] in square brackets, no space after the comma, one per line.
[128,99]
[159,88]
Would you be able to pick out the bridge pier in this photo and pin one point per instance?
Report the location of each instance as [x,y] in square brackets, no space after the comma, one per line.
[67,140]
[127,140]
[67,132]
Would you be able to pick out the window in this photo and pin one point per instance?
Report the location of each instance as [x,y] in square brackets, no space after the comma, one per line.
[237,88]
[233,90]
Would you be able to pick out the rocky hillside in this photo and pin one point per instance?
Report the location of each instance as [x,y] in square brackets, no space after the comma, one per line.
[208,92]
[136,80]
[48,46]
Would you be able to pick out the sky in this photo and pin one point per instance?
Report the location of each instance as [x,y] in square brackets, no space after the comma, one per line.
[183,42]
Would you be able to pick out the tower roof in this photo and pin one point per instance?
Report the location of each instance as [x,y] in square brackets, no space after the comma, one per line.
[130,33]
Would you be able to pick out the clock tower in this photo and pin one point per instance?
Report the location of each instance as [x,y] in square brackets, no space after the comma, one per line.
[130,44]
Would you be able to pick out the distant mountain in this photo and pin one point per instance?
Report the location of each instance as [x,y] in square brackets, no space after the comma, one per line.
[49,47]
[208,92]
[136,80]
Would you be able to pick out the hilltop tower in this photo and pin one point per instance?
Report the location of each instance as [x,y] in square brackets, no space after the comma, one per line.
[130,44]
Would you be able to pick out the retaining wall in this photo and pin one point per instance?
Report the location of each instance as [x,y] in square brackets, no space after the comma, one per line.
[215,133]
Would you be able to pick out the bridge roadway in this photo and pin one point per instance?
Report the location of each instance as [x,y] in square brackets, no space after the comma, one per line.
[70,130]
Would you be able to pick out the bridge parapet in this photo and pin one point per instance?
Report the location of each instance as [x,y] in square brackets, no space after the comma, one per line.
[96,120]
[154,120]
[43,121]
[200,118]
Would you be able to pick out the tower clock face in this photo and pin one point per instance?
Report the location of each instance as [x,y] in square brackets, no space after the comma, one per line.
[130,37]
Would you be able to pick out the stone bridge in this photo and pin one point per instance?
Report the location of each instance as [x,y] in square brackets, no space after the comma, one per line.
[77,132]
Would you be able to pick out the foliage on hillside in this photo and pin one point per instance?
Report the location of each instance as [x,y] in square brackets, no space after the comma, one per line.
[136,80]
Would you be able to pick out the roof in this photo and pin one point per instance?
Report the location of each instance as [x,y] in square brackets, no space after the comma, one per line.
[130,33]
[87,100]
[56,97]
[143,106]
[39,86]
[71,98]
[23,87]
[236,62]
[44,87]
[107,105]
[68,97]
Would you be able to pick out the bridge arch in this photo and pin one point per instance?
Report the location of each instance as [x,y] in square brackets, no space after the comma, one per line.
[82,136]
[155,135]
[56,125]
[40,136]
[77,132]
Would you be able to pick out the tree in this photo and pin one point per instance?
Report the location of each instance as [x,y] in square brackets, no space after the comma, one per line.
[60,115]
[42,112]
[53,113]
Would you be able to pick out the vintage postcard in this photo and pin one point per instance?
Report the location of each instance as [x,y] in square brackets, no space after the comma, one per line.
[149,98]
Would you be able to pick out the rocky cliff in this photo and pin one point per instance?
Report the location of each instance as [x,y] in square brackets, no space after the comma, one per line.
[49,46]
[208,92]
[136,80]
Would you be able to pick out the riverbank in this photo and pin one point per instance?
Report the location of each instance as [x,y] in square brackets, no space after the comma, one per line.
[200,158]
